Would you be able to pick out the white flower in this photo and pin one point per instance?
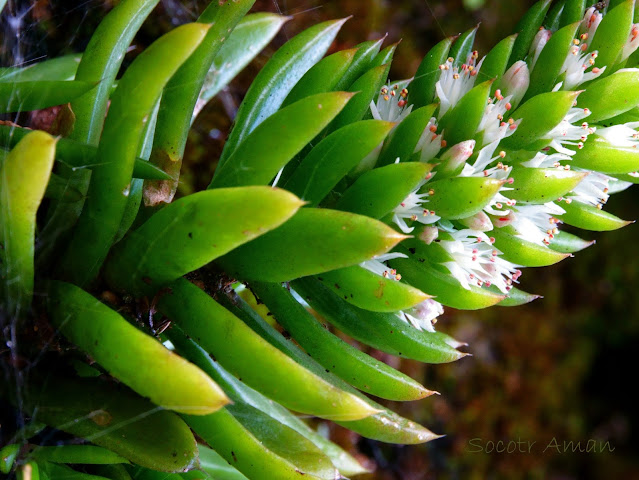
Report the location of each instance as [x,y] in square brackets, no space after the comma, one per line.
[589,24]
[424,315]
[430,143]
[535,223]
[568,134]
[621,135]
[377,265]
[592,190]
[455,82]
[538,44]
[391,105]
[632,44]
[553,160]
[484,159]
[492,123]
[412,208]
[575,67]
[476,261]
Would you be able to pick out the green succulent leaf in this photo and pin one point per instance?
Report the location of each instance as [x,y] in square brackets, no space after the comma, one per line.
[463,46]
[312,242]
[323,76]
[384,331]
[539,115]
[573,12]
[422,88]
[599,155]
[57,69]
[278,139]
[612,95]
[588,217]
[114,418]
[24,175]
[8,455]
[110,186]
[236,346]
[366,52]
[212,463]
[461,122]
[527,28]
[402,141]
[525,252]
[460,197]
[239,392]
[169,381]
[496,60]
[551,59]
[350,364]
[82,454]
[612,33]
[276,79]
[25,96]
[516,298]
[565,242]
[335,156]
[192,232]
[541,185]
[245,42]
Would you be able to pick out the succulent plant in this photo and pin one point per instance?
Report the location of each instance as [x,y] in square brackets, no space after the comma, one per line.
[339,197]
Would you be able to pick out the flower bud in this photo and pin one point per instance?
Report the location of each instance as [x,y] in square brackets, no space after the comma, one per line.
[538,44]
[480,221]
[453,161]
[515,82]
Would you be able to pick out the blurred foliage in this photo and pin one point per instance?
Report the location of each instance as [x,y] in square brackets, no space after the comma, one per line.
[558,368]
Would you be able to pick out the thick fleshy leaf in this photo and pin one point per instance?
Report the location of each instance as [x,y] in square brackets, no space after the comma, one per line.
[324,76]
[114,418]
[384,331]
[565,242]
[463,46]
[600,156]
[169,381]
[366,89]
[495,63]
[377,192]
[370,291]
[335,156]
[612,33]
[588,217]
[383,425]
[8,455]
[527,28]
[24,175]
[539,115]
[553,17]
[461,122]
[422,88]
[111,179]
[312,242]
[278,139]
[611,96]
[271,86]
[77,155]
[402,141]
[58,69]
[236,346]
[541,185]
[524,252]
[516,298]
[366,53]
[246,41]
[180,97]
[193,231]
[212,463]
[82,454]
[350,364]
[437,281]
[548,66]
[37,95]
[573,12]
[460,197]
[239,392]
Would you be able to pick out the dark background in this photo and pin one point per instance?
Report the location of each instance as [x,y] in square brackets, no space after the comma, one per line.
[563,367]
